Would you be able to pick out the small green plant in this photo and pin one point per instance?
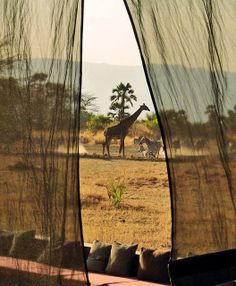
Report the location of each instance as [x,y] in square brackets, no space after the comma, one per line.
[115,192]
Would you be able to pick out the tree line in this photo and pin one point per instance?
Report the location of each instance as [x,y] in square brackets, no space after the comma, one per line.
[37,105]
[33,106]
[177,122]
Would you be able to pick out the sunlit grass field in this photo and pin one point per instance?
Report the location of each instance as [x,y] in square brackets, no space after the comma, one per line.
[143,215]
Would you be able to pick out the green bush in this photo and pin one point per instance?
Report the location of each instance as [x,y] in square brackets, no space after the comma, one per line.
[151,121]
[98,122]
[115,192]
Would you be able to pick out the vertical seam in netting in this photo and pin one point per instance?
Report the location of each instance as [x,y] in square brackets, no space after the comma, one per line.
[159,121]
[78,160]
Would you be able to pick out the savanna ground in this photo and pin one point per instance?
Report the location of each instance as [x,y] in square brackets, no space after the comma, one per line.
[143,215]
[205,216]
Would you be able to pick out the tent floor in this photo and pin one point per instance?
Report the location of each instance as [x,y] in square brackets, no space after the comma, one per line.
[29,273]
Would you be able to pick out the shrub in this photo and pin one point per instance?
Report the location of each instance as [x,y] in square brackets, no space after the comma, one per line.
[151,121]
[115,192]
[98,122]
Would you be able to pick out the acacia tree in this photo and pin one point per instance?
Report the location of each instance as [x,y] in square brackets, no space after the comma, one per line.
[9,129]
[88,103]
[121,99]
[88,107]
[8,98]
[231,119]
[6,61]
[45,99]
[175,121]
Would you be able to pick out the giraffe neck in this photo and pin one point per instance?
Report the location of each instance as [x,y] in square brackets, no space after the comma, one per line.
[132,118]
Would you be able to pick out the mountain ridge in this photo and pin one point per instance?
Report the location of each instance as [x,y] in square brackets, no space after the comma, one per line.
[175,85]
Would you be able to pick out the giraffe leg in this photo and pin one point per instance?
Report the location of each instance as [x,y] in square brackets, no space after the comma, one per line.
[120,146]
[108,141]
[123,147]
[104,146]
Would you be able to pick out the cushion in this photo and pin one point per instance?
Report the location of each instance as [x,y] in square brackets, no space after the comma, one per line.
[6,238]
[153,266]
[68,255]
[72,255]
[38,248]
[120,260]
[23,245]
[52,255]
[98,256]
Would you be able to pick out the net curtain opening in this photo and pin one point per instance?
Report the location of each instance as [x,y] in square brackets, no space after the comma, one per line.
[40,83]
[188,53]
[188,49]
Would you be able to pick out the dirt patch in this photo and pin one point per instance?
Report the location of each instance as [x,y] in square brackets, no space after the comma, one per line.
[91,201]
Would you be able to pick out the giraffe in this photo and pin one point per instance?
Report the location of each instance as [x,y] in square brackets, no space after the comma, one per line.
[120,130]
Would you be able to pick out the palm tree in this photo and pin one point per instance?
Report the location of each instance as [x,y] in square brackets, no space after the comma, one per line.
[121,99]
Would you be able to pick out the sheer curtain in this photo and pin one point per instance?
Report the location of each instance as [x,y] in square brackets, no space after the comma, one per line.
[188,52]
[40,80]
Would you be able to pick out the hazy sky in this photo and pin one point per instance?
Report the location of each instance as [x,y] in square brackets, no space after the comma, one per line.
[108,36]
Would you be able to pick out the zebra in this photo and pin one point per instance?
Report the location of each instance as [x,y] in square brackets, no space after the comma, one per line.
[232,146]
[143,150]
[153,146]
[137,140]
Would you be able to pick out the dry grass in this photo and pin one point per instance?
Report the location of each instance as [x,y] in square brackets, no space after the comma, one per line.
[144,214]
[98,138]
[27,200]
[205,214]
[143,217]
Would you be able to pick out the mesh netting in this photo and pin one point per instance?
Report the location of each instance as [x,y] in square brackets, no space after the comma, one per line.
[40,227]
[188,48]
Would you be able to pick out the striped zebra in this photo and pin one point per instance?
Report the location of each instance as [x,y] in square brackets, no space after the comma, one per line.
[153,147]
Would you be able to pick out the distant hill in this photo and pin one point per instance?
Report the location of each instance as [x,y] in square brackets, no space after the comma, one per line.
[175,84]
[100,79]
